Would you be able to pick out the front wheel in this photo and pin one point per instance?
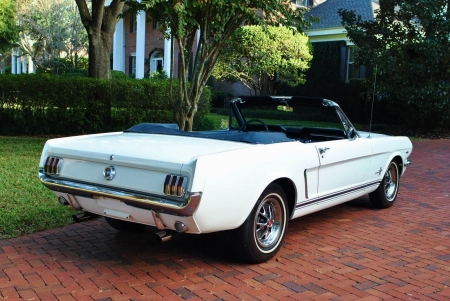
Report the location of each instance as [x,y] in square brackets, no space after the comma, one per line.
[386,193]
[261,235]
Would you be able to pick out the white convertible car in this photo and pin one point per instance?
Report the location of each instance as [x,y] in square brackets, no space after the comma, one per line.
[274,159]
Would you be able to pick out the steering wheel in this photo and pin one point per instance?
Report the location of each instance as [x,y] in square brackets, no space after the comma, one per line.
[243,127]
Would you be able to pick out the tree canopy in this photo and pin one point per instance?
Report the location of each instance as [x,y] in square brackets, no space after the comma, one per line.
[8,29]
[408,44]
[51,33]
[263,58]
[201,28]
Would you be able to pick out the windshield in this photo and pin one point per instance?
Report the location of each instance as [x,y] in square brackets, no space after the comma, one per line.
[290,115]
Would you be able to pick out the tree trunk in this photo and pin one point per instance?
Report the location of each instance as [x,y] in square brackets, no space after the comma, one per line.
[100,45]
[100,24]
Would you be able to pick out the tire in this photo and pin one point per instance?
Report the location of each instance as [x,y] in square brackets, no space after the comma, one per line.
[386,194]
[124,225]
[261,235]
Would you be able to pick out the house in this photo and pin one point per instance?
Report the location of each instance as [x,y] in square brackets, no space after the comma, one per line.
[333,73]
[139,48]
[21,62]
[329,30]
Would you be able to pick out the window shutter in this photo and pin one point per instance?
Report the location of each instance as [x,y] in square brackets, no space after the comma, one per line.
[362,72]
[130,65]
[131,23]
[343,63]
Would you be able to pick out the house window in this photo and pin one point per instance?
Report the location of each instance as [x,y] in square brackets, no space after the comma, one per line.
[132,66]
[305,3]
[353,70]
[155,24]
[156,61]
[133,23]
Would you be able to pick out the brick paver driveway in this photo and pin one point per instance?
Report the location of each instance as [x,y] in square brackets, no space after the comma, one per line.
[349,252]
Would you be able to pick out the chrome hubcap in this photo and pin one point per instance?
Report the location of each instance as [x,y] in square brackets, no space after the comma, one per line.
[390,182]
[268,222]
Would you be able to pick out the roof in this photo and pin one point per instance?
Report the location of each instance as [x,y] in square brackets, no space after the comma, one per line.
[329,18]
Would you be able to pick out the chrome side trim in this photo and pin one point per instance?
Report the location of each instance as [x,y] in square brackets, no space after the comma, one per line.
[175,206]
[338,194]
[407,162]
[306,183]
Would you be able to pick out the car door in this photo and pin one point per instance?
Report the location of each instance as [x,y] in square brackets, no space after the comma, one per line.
[344,168]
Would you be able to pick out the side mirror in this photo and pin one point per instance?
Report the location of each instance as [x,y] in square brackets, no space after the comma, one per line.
[352,134]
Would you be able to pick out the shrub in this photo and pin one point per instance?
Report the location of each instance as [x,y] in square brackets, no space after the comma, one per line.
[219,97]
[44,104]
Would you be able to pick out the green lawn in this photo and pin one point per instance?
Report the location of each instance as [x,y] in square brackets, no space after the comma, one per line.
[26,205]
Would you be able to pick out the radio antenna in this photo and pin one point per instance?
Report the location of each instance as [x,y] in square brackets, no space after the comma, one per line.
[373,100]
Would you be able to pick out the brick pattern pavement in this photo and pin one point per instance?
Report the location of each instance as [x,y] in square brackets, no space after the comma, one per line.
[349,252]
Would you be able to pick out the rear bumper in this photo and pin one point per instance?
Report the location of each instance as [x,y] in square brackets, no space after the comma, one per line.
[173,206]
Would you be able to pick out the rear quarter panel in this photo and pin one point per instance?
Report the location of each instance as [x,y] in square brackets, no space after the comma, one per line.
[233,181]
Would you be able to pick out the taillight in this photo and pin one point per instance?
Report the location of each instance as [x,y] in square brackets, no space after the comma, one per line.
[175,185]
[53,165]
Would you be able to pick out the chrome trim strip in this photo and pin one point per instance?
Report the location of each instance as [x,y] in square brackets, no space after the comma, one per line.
[176,206]
[407,162]
[338,194]
[306,183]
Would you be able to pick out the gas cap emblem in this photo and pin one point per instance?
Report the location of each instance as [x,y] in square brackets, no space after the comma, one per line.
[109,173]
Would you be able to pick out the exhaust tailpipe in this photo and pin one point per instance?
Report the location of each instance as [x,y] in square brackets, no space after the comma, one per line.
[162,236]
[84,216]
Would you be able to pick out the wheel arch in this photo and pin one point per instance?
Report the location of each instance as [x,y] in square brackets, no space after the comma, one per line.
[398,159]
[290,190]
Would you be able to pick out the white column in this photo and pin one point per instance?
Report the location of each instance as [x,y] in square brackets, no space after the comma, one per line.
[119,47]
[30,65]
[167,54]
[24,64]
[18,68]
[140,44]
[13,61]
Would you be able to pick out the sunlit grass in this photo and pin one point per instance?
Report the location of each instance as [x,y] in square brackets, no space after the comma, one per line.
[26,205]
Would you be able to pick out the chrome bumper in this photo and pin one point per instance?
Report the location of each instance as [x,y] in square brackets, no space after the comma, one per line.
[180,206]
[407,162]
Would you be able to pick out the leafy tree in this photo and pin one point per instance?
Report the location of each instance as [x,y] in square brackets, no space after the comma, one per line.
[51,33]
[8,29]
[100,24]
[201,28]
[408,43]
[262,58]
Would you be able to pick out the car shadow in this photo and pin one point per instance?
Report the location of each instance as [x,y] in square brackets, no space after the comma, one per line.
[124,248]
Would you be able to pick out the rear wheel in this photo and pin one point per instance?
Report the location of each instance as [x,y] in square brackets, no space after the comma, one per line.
[261,235]
[386,193]
[124,225]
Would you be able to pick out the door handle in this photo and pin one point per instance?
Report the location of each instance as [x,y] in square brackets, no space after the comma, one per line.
[323,150]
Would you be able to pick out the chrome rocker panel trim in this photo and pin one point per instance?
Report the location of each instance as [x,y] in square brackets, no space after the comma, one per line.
[184,207]
[339,194]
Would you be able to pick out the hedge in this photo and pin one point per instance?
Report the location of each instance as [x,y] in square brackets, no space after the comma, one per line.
[50,105]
